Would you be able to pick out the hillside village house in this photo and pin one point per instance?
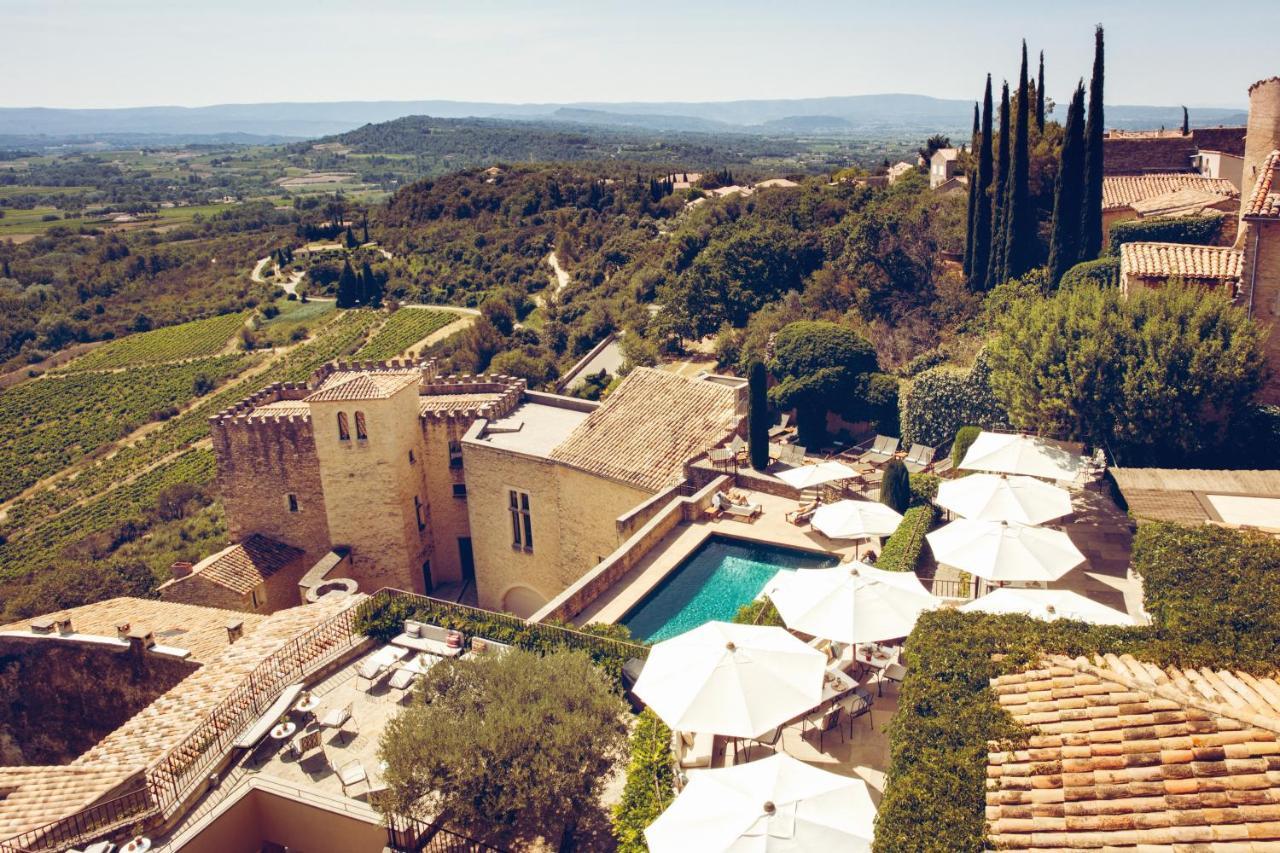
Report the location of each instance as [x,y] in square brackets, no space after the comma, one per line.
[943,166]
[387,475]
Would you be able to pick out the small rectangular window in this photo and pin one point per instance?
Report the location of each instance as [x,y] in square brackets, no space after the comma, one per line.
[521,520]
[455,454]
[418,513]
[253,595]
[460,490]
[293,503]
[411,458]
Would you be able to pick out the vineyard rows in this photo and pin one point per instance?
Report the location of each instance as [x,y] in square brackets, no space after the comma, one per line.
[172,343]
[340,337]
[42,545]
[404,329]
[48,424]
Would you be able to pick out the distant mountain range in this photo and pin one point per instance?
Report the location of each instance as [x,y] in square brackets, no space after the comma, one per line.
[871,115]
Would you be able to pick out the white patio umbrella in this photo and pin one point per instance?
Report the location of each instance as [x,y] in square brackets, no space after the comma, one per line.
[850,519]
[732,680]
[775,804]
[1005,552]
[852,603]
[1003,453]
[815,475]
[1000,497]
[1047,604]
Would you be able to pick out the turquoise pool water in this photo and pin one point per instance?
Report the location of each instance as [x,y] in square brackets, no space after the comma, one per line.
[712,583]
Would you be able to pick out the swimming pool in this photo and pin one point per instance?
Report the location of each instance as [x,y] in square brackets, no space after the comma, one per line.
[712,583]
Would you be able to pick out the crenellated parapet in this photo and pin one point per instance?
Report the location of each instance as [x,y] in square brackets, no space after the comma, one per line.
[428,367]
[509,390]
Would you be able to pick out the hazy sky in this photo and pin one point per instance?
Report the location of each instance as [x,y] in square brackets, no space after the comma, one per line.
[106,53]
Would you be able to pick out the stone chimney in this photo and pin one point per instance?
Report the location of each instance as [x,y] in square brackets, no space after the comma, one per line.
[235,630]
[43,625]
[63,624]
[181,569]
[141,640]
[122,631]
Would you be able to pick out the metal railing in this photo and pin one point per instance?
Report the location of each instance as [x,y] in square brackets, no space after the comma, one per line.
[186,765]
[411,835]
[950,588]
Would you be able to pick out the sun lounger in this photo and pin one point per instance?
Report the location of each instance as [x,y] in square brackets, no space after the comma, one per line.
[775,431]
[919,458]
[278,709]
[791,454]
[428,638]
[802,514]
[722,502]
[881,451]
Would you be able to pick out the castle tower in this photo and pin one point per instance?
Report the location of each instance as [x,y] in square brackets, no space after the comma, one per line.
[1263,135]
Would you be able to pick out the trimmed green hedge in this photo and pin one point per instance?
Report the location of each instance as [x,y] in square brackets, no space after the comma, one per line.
[650,784]
[924,488]
[943,399]
[1202,230]
[965,437]
[902,550]
[1208,590]
[1104,272]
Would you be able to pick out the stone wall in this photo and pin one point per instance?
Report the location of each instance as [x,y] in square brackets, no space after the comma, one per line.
[261,460]
[61,697]
[591,507]
[1228,140]
[1261,294]
[194,589]
[1135,155]
[449,521]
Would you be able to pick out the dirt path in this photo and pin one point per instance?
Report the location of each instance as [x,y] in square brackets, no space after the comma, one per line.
[562,276]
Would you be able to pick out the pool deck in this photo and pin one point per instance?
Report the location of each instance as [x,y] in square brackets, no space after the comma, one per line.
[769,528]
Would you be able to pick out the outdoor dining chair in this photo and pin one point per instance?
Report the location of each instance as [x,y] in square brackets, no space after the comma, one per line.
[769,739]
[351,774]
[858,704]
[823,722]
[340,719]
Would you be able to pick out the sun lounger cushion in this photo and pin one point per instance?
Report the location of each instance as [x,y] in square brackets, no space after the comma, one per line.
[427,638]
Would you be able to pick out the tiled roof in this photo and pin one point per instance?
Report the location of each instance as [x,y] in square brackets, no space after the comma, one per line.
[1124,754]
[284,408]
[1170,494]
[1263,203]
[649,428]
[146,738]
[1182,202]
[365,386]
[1170,260]
[200,630]
[454,402]
[243,566]
[31,797]
[1119,191]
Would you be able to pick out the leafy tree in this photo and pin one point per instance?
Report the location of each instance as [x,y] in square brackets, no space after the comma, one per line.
[505,747]
[1020,235]
[820,367]
[999,193]
[527,364]
[933,144]
[1158,377]
[1091,202]
[895,490]
[982,211]
[758,417]
[1064,246]
[348,287]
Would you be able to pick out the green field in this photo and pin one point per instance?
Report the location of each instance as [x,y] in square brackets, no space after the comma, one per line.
[33,222]
[50,423]
[172,343]
[9,191]
[294,315]
[403,330]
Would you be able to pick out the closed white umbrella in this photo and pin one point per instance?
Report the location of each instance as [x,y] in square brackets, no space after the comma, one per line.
[732,680]
[1048,604]
[1001,497]
[775,804]
[806,476]
[852,603]
[1005,552]
[1002,453]
[851,519]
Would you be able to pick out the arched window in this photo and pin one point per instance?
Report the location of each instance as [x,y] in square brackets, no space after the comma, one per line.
[361,432]
[344,432]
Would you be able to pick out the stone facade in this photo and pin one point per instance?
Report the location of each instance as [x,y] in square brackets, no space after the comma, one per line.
[1261,293]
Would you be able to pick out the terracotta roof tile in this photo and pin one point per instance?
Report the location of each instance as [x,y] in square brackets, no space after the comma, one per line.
[35,796]
[243,566]
[1197,772]
[365,385]
[1180,260]
[1263,202]
[647,430]
[1120,191]
[455,402]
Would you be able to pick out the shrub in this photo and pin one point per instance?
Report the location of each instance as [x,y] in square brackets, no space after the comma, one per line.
[895,490]
[903,550]
[1202,230]
[1104,272]
[924,488]
[943,399]
[650,786]
[922,362]
[965,436]
[759,612]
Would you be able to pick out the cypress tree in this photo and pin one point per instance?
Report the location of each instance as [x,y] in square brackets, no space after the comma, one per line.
[973,192]
[348,287]
[1091,202]
[1040,95]
[999,190]
[1020,216]
[1064,248]
[1186,122]
[895,488]
[758,417]
[982,200]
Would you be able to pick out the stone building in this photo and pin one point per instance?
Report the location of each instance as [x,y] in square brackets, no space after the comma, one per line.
[1167,194]
[389,475]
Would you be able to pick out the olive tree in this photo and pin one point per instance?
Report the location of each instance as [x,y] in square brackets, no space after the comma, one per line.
[505,746]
